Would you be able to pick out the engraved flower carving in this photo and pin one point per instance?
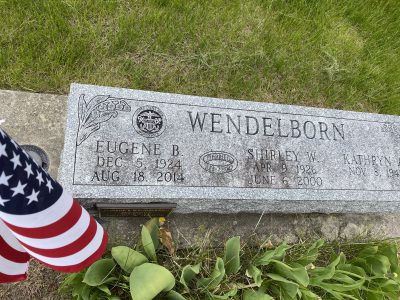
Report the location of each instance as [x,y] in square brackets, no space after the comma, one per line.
[99,109]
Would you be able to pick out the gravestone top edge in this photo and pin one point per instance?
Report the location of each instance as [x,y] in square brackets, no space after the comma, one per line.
[249,103]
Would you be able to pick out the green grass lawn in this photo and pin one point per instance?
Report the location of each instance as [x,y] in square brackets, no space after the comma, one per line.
[337,54]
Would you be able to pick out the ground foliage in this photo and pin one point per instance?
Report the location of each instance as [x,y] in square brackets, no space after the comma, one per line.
[337,54]
[316,270]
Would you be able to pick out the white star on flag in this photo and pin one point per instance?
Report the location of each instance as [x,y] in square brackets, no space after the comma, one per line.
[3,150]
[28,170]
[49,185]
[39,178]
[4,179]
[2,201]
[19,189]
[16,161]
[33,197]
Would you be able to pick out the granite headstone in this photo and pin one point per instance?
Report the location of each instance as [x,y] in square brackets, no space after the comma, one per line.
[224,156]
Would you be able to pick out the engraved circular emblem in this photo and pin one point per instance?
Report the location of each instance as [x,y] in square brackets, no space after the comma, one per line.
[149,121]
[218,162]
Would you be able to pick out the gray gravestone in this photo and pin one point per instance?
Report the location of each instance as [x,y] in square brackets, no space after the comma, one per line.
[216,155]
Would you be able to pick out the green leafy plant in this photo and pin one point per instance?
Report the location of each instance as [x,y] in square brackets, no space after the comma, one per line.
[127,272]
[310,272]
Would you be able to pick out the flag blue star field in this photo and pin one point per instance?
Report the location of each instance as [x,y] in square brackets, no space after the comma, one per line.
[39,219]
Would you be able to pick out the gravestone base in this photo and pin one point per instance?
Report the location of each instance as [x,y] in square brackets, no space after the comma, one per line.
[192,229]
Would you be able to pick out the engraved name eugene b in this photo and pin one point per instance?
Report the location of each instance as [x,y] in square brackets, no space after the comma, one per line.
[149,121]
[218,162]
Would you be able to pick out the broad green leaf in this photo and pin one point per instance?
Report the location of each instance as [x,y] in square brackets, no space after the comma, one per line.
[85,292]
[374,265]
[98,272]
[124,286]
[172,295]
[311,254]
[388,285]
[343,278]
[342,259]
[110,280]
[77,289]
[96,295]
[127,258]
[308,295]
[255,273]
[188,273]
[216,276]
[355,271]
[153,225]
[323,273]
[114,298]
[298,273]
[267,256]
[356,293]
[390,251]
[381,288]
[378,264]
[290,287]
[255,295]
[71,280]
[367,251]
[148,244]
[342,296]
[225,296]
[232,255]
[342,283]
[148,280]
[279,291]
[374,295]
[104,288]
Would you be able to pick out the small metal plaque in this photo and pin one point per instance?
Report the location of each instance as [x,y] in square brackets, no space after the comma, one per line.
[135,209]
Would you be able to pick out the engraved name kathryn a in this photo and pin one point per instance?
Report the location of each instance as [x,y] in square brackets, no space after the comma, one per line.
[265,126]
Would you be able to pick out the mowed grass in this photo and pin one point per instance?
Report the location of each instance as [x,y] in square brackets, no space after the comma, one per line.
[337,54]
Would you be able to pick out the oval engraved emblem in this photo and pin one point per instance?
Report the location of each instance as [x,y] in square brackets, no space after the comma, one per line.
[218,162]
[149,121]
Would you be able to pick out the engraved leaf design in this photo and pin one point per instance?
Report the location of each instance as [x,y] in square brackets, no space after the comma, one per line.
[96,101]
[100,109]
[81,109]
[111,106]
[85,132]
[102,117]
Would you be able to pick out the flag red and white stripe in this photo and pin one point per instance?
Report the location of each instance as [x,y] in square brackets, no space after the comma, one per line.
[40,219]
[64,236]
[14,260]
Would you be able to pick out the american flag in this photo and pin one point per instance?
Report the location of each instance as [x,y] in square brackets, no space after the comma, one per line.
[39,219]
